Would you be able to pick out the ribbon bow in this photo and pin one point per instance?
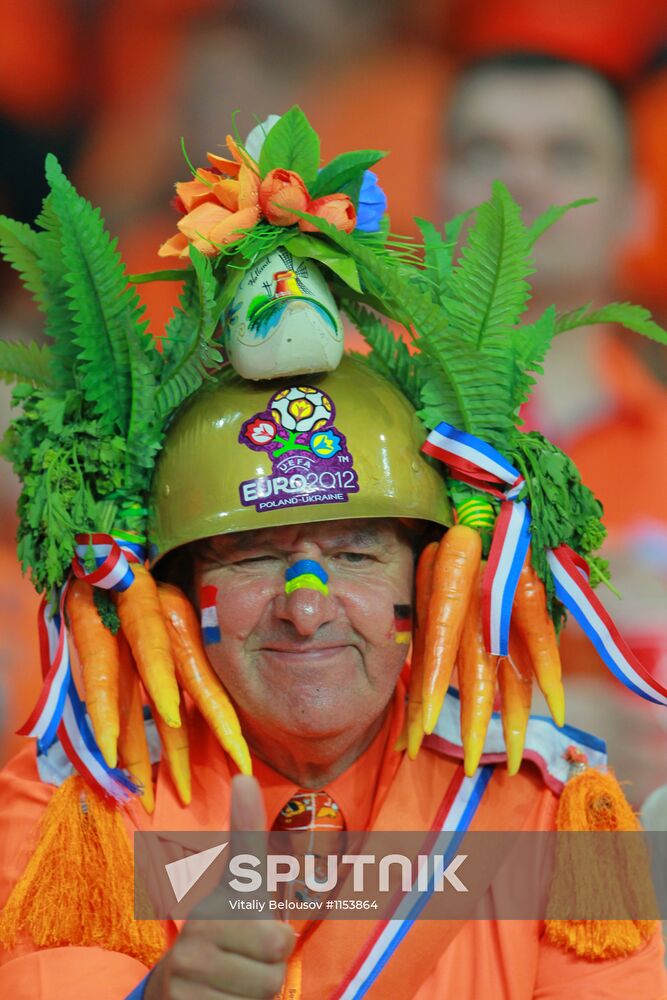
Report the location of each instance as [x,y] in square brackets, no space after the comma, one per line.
[59,711]
[473,461]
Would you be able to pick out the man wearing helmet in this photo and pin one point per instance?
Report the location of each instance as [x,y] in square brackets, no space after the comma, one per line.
[292,510]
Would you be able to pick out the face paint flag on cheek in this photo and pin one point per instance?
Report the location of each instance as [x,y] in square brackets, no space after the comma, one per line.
[210,627]
[306,573]
[402,623]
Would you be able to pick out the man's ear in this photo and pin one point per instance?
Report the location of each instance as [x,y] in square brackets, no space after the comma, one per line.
[180,568]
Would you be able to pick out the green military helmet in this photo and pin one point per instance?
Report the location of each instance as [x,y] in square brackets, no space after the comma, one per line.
[248,455]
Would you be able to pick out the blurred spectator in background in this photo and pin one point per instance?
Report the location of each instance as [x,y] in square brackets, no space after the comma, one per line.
[540,105]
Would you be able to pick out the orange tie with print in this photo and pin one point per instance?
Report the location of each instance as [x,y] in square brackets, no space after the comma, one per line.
[305,812]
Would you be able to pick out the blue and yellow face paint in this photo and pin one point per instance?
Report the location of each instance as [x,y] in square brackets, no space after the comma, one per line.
[306,573]
[402,623]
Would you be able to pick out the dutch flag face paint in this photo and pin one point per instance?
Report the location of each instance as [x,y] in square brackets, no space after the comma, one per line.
[210,627]
[402,623]
[306,573]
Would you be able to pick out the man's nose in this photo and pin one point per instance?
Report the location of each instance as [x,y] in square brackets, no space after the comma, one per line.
[305,601]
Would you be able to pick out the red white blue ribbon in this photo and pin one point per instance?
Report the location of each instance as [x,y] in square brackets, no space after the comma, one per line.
[477,463]
[456,814]
[570,573]
[59,711]
[113,555]
[45,717]
[472,460]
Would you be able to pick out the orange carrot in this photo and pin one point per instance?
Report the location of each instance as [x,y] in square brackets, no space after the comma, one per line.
[97,649]
[132,743]
[455,573]
[477,683]
[515,676]
[197,676]
[423,586]
[176,753]
[141,617]
[533,623]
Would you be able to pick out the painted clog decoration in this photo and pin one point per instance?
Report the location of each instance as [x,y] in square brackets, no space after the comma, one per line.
[283,320]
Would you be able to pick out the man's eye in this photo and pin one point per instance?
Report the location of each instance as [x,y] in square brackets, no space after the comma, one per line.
[568,154]
[255,560]
[354,557]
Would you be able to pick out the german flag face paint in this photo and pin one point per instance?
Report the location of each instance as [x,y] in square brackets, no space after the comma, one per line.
[402,623]
[306,573]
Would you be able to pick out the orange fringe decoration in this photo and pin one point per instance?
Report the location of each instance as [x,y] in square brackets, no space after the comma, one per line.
[591,872]
[78,886]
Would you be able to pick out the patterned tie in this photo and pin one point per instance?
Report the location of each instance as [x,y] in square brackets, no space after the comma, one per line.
[308,810]
[314,812]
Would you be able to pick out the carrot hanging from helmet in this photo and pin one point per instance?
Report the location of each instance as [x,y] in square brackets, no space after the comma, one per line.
[413,730]
[515,679]
[197,676]
[454,634]
[455,572]
[477,671]
[145,630]
[176,752]
[97,649]
[132,743]
[535,627]
[159,640]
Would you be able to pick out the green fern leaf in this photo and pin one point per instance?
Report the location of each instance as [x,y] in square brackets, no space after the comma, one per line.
[488,291]
[189,350]
[439,252]
[180,331]
[26,362]
[173,274]
[531,343]
[470,390]
[552,215]
[474,388]
[105,309]
[19,247]
[54,302]
[389,354]
[633,317]
[145,428]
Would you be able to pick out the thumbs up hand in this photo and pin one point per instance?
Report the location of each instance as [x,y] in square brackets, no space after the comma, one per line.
[226,959]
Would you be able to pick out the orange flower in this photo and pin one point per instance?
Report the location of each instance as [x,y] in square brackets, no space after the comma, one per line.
[216,206]
[280,191]
[220,204]
[337,209]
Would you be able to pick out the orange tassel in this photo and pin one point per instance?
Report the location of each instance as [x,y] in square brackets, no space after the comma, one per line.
[593,801]
[78,886]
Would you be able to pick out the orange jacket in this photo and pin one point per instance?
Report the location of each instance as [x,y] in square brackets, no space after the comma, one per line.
[508,960]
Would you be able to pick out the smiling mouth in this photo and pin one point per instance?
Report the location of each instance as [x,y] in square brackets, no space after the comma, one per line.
[304,650]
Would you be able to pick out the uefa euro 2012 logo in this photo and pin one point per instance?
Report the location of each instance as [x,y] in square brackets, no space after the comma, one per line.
[311,463]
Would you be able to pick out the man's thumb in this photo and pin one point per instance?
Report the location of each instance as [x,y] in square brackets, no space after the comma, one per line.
[247,811]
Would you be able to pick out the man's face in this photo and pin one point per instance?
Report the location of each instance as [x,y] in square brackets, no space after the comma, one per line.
[307,663]
[552,136]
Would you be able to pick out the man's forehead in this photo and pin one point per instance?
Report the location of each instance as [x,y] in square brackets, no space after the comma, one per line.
[358,532]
